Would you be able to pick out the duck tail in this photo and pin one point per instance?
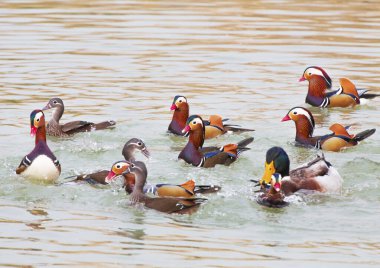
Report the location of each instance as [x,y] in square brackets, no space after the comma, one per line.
[364,134]
[104,125]
[236,128]
[243,144]
[364,95]
[206,189]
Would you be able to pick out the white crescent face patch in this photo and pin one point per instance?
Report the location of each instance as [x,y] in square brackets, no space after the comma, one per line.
[298,111]
[197,121]
[180,100]
[311,71]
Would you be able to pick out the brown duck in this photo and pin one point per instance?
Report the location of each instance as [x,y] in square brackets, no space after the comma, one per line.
[130,148]
[70,128]
[319,82]
[274,197]
[162,204]
[194,153]
[213,127]
[338,139]
[187,189]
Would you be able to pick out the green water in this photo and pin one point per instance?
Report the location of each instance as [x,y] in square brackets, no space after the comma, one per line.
[241,59]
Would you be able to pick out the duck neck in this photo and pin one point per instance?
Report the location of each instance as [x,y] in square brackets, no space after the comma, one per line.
[181,114]
[129,182]
[41,134]
[317,87]
[197,138]
[58,112]
[272,191]
[128,153]
[304,129]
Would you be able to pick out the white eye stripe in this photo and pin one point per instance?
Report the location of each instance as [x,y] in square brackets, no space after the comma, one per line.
[303,112]
[181,99]
[314,71]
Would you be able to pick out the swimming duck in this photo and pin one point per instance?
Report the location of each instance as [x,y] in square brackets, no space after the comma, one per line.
[70,128]
[129,150]
[194,153]
[213,127]
[163,204]
[317,175]
[41,163]
[338,139]
[319,82]
[187,189]
[274,197]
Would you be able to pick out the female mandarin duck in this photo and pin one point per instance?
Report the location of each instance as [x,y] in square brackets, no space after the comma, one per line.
[163,204]
[274,197]
[213,127]
[319,81]
[55,129]
[338,139]
[130,148]
[187,189]
[195,154]
[317,175]
[39,164]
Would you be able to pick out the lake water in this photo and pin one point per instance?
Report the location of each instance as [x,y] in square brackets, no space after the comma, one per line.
[125,60]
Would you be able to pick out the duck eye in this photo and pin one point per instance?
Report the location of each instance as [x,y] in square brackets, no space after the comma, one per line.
[139,143]
[294,112]
[309,73]
[194,122]
[55,102]
[180,100]
[118,166]
[38,120]
[132,165]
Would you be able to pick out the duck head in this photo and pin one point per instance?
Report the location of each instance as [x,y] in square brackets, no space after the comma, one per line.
[303,119]
[276,182]
[37,121]
[276,162]
[117,169]
[179,103]
[195,129]
[315,70]
[58,108]
[132,146]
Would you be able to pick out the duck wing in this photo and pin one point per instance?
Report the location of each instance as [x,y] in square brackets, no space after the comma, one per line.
[317,167]
[174,204]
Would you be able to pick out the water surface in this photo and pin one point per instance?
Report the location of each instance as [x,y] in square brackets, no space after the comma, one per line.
[125,60]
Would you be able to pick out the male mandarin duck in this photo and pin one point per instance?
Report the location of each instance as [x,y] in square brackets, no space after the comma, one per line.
[319,82]
[179,205]
[129,150]
[39,164]
[194,153]
[213,127]
[70,128]
[317,175]
[338,139]
[187,189]
[274,197]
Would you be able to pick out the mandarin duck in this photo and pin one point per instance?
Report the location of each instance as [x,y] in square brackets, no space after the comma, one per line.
[194,153]
[40,163]
[274,197]
[70,128]
[335,141]
[130,148]
[317,175]
[179,205]
[213,127]
[187,189]
[319,82]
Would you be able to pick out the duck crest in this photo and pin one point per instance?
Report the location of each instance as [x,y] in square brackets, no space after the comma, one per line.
[316,94]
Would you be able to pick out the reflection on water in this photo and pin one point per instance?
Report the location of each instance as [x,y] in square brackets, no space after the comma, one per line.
[125,61]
